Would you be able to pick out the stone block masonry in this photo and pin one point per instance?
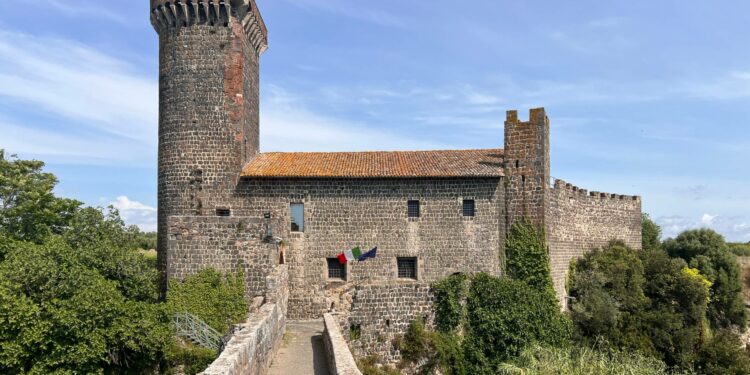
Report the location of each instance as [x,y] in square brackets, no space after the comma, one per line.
[227,244]
[578,221]
[381,314]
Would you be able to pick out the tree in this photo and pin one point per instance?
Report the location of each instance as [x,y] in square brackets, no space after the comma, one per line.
[29,210]
[58,315]
[607,289]
[707,251]
[723,355]
[505,317]
[651,234]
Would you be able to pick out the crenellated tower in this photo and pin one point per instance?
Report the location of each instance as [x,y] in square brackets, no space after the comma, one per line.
[209,52]
[527,167]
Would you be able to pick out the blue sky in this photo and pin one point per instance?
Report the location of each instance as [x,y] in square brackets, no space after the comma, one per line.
[647,98]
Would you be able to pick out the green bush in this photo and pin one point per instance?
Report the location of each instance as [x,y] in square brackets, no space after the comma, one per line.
[369,366]
[740,249]
[607,294]
[527,257]
[582,361]
[506,316]
[707,251]
[193,359]
[723,355]
[651,234]
[450,295]
[217,299]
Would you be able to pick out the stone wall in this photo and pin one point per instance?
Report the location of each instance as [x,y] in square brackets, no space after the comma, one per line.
[340,359]
[227,244]
[252,349]
[579,221]
[341,214]
[382,313]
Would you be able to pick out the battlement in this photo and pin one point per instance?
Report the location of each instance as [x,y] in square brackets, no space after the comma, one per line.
[535,114]
[561,185]
[174,14]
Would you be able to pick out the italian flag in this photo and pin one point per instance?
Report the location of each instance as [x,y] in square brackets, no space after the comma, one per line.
[350,255]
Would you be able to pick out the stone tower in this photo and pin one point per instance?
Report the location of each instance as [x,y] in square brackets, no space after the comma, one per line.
[209,53]
[527,166]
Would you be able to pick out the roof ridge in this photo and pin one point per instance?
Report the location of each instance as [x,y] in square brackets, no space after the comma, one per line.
[381,151]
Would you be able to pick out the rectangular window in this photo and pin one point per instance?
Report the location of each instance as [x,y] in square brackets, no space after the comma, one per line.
[298,217]
[413,208]
[469,208]
[407,268]
[223,212]
[336,270]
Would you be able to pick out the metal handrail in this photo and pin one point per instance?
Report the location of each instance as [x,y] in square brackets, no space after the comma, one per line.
[194,329]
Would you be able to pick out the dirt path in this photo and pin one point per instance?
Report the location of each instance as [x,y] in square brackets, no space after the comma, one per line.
[302,352]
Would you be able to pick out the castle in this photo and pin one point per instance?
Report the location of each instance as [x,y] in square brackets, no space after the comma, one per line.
[223,203]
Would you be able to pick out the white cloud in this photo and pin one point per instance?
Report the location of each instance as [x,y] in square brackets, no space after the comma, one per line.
[136,213]
[71,8]
[708,219]
[68,79]
[735,229]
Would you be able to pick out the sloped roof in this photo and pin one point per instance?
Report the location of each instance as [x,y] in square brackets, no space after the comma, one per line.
[377,164]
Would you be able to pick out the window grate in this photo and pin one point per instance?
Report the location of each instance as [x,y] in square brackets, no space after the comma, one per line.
[413,208]
[469,208]
[407,268]
[336,270]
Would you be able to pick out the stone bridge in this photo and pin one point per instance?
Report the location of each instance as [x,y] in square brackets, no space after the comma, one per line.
[268,344]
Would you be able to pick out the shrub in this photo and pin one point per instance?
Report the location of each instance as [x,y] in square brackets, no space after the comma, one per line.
[217,299]
[723,355]
[193,359]
[582,361]
[504,317]
[740,249]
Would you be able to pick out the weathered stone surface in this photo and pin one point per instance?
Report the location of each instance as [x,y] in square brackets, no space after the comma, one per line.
[340,359]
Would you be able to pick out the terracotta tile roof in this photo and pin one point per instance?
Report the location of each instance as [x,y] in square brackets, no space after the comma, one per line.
[378,164]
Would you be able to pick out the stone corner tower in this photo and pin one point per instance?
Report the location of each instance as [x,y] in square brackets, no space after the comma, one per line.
[209,52]
[527,168]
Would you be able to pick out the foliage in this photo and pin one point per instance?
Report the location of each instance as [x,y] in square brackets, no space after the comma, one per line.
[527,258]
[433,350]
[740,249]
[217,299]
[607,293]
[723,355]
[146,240]
[194,359]
[707,251]
[648,302]
[651,234]
[415,344]
[58,314]
[29,210]
[675,317]
[369,366]
[582,361]
[504,317]
[450,293]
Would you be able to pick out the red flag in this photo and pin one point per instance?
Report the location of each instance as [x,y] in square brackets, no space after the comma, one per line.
[342,258]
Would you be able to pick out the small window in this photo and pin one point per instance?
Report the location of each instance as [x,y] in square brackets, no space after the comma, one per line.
[469,208]
[223,212]
[413,208]
[336,270]
[407,268]
[298,217]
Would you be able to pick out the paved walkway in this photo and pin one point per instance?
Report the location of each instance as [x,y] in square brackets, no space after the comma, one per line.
[303,351]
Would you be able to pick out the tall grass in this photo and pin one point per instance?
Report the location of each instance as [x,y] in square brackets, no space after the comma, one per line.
[582,361]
